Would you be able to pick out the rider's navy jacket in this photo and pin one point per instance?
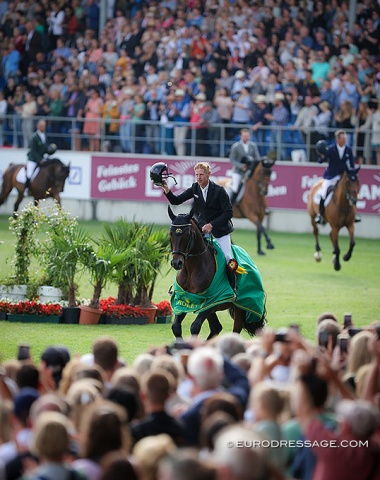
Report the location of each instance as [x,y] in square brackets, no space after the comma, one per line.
[217,209]
[338,165]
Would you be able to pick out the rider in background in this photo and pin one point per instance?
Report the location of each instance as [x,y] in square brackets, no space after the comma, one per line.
[38,148]
[339,157]
[243,154]
[213,211]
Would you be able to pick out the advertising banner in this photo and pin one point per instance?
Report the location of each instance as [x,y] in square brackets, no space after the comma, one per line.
[127,178]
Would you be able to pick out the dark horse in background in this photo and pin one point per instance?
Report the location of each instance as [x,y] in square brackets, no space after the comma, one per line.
[339,213]
[49,181]
[253,203]
[193,258]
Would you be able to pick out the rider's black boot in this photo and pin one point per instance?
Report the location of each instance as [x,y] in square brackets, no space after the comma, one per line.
[231,275]
[27,186]
[319,217]
[233,197]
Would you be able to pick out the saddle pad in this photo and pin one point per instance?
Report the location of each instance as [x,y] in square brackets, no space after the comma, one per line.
[21,175]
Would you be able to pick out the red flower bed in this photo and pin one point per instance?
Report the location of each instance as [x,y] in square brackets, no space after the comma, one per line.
[107,305]
[163,308]
[34,308]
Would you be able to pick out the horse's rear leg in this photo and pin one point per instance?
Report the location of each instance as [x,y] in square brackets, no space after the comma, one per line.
[177,325]
[239,318]
[351,232]
[317,253]
[215,325]
[5,191]
[261,231]
[336,252]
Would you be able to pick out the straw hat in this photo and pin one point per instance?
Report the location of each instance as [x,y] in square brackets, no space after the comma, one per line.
[200,96]
[279,96]
[260,99]
[179,92]
[239,74]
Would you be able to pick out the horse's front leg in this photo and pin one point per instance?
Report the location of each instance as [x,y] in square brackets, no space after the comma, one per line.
[177,325]
[336,252]
[198,322]
[19,200]
[317,253]
[270,245]
[259,231]
[215,325]
[351,233]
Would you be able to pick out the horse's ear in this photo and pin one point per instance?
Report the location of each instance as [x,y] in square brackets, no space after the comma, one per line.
[190,214]
[171,214]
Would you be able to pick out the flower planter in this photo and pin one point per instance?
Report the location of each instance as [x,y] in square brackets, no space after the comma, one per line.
[164,318]
[3,315]
[70,315]
[126,320]
[89,316]
[13,292]
[50,294]
[13,317]
[150,312]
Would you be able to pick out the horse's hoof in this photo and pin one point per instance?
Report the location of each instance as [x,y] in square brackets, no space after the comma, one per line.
[260,252]
[337,266]
[270,246]
[346,257]
[318,256]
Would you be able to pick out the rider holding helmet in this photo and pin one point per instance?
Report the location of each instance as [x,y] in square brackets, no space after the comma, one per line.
[38,148]
[339,157]
[212,206]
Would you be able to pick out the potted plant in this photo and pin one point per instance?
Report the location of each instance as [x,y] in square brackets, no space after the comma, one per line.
[34,311]
[100,261]
[164,312]
[4,309]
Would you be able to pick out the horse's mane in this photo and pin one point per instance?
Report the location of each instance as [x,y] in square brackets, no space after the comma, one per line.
[51,161]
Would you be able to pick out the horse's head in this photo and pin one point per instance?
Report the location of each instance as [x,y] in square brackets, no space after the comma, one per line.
[182,238]
[60,172]
[262,175]
[351,185]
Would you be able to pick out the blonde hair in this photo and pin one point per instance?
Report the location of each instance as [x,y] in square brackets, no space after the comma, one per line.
[359,353]
[270,399]
[5,421]
[203,166]
[51,437]
[361,378]
[150,450]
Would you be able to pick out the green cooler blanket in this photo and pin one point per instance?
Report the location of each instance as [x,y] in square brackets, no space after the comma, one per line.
[250,291]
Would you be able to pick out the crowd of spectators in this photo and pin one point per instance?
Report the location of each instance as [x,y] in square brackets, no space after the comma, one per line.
[164,76]
[274,407]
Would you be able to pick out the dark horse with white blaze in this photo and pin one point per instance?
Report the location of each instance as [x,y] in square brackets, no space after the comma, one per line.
[49,181]
[194,259]
[340,212]
[253,204]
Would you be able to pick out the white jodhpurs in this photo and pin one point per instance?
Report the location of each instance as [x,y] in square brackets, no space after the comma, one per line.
[31,169]
[236,179]
[225,245]
[325,185]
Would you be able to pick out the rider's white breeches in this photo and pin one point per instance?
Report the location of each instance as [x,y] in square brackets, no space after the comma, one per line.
[236,179]
[31,169]
[325,185]
[225,245]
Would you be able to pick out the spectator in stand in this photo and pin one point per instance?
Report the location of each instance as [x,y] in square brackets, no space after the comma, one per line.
[92,115]
[111,115]
[279,117]
[321,122]
[304,119]
[92,15]
[344,118]
[55,21]
[363,123]
[181,117]
[241,113]
[307,86]
[375,137]
[320,69]
[138,115]
[27,111]
[259,120]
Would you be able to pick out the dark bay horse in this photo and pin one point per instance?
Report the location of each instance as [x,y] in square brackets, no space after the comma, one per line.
[194,260]
[339,213]
[254,202]
[49,181]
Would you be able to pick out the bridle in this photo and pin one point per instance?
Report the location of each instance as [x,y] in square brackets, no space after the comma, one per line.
[178,231]
[260,183]
[350,198]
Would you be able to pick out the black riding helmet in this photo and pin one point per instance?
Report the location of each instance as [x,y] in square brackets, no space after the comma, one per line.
[51,149]
[159,172]
[322,148]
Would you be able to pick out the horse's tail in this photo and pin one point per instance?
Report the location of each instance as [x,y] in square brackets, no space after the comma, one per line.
[252,328]
[6,186]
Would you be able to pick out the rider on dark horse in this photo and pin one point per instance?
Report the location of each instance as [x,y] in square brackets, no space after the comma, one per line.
[339,157]
[213,210]
[244,157]
[38,148]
